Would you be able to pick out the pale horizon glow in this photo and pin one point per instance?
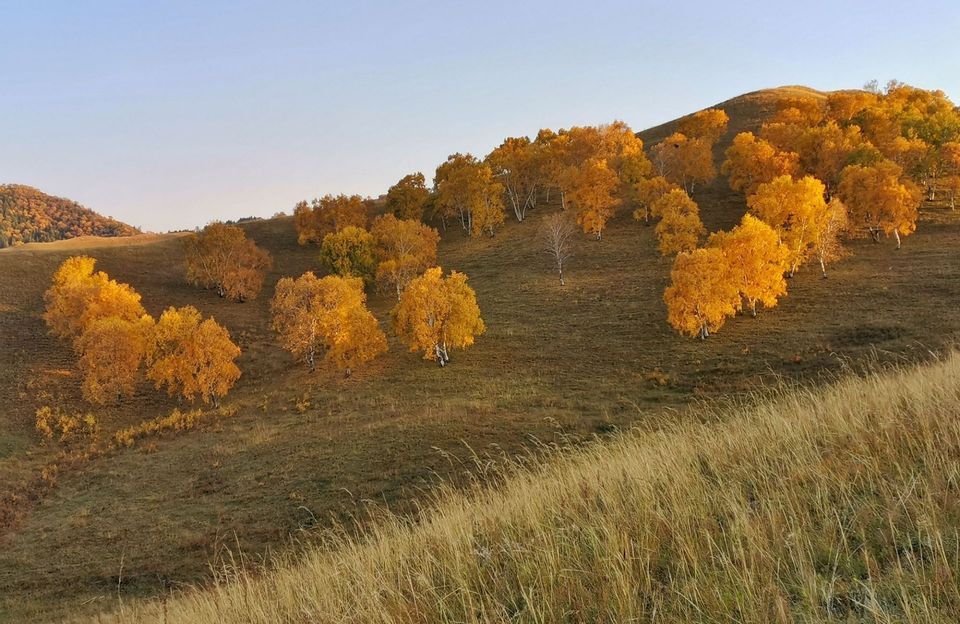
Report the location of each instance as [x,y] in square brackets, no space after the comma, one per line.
[170,115]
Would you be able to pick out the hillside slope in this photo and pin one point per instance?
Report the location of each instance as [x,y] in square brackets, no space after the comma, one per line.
[815,506]
[300,450]
[28,215]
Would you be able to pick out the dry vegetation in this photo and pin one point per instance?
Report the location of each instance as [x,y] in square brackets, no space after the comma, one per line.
[301,450]
[832,505]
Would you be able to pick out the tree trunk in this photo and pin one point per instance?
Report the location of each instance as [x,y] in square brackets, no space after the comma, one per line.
[896,235]
[560,270]
[753,309]
[823,268]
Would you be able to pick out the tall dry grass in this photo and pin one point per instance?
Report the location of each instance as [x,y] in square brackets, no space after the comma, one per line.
[840,504]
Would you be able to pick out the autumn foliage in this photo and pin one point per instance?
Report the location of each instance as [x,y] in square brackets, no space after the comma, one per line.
[327,215]
[79,296]
[436,314]
[592,194]
[221,257]
[193,357]
[701,294]
[30,216]
[407,199]
[349,253]
[880,200]
[751,162]
[404,248]
[112,352]
[328,314]
[466,189]
[680,228]
[796,209]
[756,261]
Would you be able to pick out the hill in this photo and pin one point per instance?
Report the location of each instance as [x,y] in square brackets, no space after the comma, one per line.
[28,215]
[291,452]
[810,506]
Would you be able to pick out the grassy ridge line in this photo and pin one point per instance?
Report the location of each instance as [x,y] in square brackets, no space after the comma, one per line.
[836,504]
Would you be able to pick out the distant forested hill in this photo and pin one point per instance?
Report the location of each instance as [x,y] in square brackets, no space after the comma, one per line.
[28,215]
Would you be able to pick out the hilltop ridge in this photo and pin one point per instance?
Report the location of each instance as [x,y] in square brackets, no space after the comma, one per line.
[28,215]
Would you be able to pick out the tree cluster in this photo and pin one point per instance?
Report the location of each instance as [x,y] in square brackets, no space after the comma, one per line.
[221,257]
[30,216]
[117,342]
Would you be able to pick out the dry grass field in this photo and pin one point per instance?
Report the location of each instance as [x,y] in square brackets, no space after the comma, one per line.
[556,365]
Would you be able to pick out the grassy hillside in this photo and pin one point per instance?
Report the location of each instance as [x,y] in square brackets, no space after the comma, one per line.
[299,451]
[812,506]
[30,216]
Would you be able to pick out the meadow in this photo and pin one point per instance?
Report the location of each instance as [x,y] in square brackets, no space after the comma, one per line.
[301,451]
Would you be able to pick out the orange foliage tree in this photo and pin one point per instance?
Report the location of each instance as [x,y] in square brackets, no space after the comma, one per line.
[751,162]
[685,161]
[879,199]
[349,253]
[701,294]
[646,192]
[465,188]
[407,198]
[829,246]
[329,313]
[756,259]
[592,193]
[191,356]
[328,214]
[796,209]
[79,296]
[709,125]
[437,313]
[515,164]
[112,351]
[223,258]
[404,249]
[680,227]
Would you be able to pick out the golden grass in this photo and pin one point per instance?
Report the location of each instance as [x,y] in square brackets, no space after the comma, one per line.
[838,504]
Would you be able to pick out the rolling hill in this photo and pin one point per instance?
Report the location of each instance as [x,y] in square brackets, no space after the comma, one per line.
[28,215]
[294,451]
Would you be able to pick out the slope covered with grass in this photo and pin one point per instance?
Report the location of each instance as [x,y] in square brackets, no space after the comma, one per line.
[304,449]
[832,505]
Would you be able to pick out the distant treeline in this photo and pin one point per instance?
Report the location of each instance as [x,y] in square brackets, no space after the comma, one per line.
[30,216]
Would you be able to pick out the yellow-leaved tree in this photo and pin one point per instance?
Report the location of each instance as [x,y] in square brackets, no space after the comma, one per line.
[221,257]
[751,162]
[709,124]
[829,246]
[680,227]
[880,200]
[756,259]
[685,161]
[192,357]
[404,249]
[592,193]
[112,352]
[329,313]
[436,314]
[701,294]
[646,192]
[796,209]
[466,189]
[79,296]
[407,198]
[349,253]
[328,214]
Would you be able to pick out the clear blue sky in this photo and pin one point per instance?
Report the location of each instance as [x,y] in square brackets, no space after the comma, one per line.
[171,114]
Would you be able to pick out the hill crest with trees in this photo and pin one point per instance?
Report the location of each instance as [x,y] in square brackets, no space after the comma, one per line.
[28,215]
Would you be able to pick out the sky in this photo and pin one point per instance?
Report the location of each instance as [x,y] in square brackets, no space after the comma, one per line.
[168,114]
